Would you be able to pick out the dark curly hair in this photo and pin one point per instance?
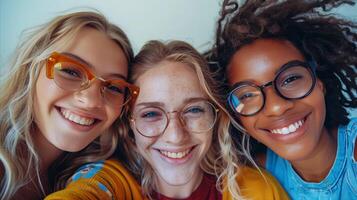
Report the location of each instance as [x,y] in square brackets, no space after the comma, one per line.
[320,36]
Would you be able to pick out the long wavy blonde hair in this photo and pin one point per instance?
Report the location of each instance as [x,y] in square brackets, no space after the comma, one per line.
[20,162]
[221,159]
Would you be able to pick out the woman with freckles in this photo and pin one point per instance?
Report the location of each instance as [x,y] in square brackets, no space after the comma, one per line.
[61,102]
[179,137]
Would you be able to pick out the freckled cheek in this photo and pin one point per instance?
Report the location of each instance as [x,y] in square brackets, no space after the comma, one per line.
[206,139]
[142,143]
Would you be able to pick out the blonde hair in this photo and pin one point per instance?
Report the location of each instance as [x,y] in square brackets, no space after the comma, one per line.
[222,157]
[19,159]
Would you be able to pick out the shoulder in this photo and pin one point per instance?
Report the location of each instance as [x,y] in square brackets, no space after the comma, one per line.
[100,180]
[252,180]
[110,170]
[100,168]
[261,159]
[352,131]
[352,127]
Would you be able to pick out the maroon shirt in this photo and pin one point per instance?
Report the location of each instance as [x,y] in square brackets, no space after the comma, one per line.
[206,191]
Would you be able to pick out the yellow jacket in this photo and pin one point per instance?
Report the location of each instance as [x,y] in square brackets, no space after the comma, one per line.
[110,180]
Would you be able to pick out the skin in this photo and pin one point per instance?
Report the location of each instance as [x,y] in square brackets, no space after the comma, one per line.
[170,86]
[310,145]
[54,133]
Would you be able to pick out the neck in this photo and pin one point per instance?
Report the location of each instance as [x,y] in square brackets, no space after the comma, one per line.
[317,166]
[179,191]
[47,152]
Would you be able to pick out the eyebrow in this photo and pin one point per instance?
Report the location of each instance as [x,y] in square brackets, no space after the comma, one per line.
[161,104]
[84,62]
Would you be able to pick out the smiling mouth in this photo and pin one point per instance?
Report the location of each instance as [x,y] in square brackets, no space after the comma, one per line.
[175,155]
[77,119]
[291,128]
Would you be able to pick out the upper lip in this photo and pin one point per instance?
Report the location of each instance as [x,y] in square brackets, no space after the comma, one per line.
[284,121]
[84,113]
[175,150]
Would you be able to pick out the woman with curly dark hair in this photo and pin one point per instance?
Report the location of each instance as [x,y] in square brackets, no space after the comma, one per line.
[292,69]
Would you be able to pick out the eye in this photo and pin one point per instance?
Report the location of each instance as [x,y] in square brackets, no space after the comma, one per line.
[68,71]
[195,110]
[246,96]
[153,115]
[71,72]
[115,89]
[150,114]
[291,79]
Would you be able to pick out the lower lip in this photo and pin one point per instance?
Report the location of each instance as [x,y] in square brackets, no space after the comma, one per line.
[74,125]
[177,161]
[292,136]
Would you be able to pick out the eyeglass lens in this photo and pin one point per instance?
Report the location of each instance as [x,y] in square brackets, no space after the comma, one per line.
[291,83]
[73,77]
[195,117]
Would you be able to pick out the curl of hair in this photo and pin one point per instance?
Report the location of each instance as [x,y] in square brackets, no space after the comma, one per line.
[325,38]
[20,163]
[222,157]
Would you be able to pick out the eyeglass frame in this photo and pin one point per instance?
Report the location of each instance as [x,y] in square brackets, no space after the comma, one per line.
[54,57]
[310,65]
[179,112]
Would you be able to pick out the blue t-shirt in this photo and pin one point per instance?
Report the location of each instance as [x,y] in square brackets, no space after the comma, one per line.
[341,181]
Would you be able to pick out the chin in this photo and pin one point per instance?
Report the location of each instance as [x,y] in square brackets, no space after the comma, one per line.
[176,179]
[175,182]
[71,148]
[299,153]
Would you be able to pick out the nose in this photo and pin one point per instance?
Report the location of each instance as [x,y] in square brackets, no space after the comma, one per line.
[175,132]
[275,105]
[91,96]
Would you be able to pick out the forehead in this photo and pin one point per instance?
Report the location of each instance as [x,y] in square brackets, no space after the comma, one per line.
[170,83]
[99,52]
[260,60]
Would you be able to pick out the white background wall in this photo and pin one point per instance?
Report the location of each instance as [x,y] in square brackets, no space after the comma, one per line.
[189,20]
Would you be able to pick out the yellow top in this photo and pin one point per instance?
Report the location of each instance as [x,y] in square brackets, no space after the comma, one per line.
[110,180]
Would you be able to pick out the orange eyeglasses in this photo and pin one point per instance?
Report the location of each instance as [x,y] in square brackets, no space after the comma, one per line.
[72,75]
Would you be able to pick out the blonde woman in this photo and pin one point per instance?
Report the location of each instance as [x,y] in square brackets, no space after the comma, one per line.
[61,101]
[179,136]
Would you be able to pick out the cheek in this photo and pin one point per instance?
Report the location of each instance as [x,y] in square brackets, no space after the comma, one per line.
[206,141]
[318,96]
[248,123]
[112,114]
[142,143]
[317,101]
[46,90]
[37,109]
[44,93]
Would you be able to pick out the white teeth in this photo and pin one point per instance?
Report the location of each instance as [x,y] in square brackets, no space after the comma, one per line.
[76,118]
[175,154]
[285,131]
[292,128]
[289,129]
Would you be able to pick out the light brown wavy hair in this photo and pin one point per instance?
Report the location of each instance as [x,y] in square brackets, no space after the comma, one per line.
[222,158]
